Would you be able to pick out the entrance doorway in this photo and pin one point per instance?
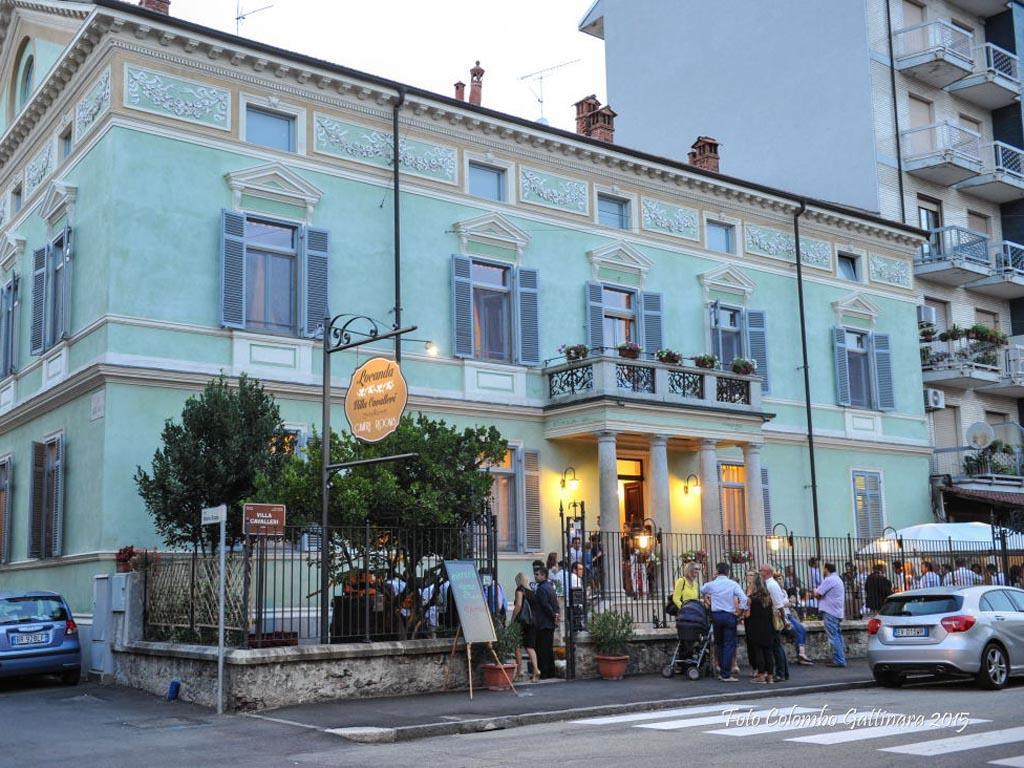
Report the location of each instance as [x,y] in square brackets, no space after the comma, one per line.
[631,492]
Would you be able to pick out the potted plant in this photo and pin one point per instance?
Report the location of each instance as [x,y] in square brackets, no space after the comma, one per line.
[668,356]
[629,349]
[705,361]
[739,556]
[497,677]
[953,333]
[744,366]
[695,556]
[928,334]
[611,631]
[574,351]
[123,558]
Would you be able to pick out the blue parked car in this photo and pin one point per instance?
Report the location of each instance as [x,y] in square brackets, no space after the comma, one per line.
[38,636]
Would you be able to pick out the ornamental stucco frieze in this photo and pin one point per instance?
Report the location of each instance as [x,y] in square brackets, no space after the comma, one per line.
[553,191]
[776,244]
[670,219]
[889,271]
[163,94]
[95,103]
[38,169]
[356,142]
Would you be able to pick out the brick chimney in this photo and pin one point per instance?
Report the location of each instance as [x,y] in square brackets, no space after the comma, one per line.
[593,120]
[476,84]
[160,6]
[704,153]
[460,91]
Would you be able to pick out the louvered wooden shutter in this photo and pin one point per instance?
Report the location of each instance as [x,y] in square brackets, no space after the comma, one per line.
[595,317]
[37,524]
[232,252]
[651,316]
[462,305]
[842,366]
[757,343]
[65,296]
[7,336]
[6,485]
[56,504]
[38,300]
[714,323]
[528,302]
[767,500]
[885,397]
[531,476]
[868,504]
[317,265]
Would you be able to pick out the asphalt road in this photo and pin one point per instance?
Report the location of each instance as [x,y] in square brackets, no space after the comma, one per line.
[934,725]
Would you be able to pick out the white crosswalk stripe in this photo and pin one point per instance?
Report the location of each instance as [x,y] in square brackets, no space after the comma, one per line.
[876,732]
[1011,762]
[960,743]
[661,714]
[695,722]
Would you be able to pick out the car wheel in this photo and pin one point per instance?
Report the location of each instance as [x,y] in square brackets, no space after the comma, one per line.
[995,668]
[72,677]
[888,679]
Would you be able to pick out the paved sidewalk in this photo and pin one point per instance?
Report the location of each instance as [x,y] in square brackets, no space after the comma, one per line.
[402,718]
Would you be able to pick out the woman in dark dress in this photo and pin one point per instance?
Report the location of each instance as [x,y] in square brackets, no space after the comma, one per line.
[761,631]
[523,611]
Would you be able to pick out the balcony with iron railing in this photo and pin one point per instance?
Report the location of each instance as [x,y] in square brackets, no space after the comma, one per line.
[936,52]
[995,81]
[954,361]
[1007,278]
[650,382]
[997,465]
[942,153]
[954,256]
[1011,374]
[1001,179]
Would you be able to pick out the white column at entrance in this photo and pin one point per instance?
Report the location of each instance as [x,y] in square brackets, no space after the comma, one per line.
[755,493]
[710,497]
[608,512]
[660,495]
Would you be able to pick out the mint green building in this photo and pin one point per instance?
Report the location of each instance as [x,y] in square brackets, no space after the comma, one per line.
[177,202]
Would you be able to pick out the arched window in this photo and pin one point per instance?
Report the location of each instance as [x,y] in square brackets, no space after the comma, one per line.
[25,84]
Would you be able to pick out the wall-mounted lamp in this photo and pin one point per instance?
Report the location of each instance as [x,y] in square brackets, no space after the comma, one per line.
[884,543]
[571,483]
[775,540]
[431,349]
[692,483]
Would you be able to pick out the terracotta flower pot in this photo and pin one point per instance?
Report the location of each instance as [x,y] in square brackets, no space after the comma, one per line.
[123,567]
[631,354]
[496,678]
[612,667]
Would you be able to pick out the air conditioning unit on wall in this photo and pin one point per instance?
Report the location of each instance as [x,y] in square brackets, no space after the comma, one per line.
[925,316]
[934,399]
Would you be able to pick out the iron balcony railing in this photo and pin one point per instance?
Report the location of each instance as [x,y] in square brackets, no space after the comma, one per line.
[997,61]
[650,380]
[1009,257]
[933,36]
[953,242]
[998,459]
[940,139]
[999,157]
[961,353]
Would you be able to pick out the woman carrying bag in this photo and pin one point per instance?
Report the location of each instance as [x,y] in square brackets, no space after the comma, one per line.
[522,612]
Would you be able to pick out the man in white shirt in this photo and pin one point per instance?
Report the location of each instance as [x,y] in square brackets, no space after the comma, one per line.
[964,576]
[725,593]
[929,578]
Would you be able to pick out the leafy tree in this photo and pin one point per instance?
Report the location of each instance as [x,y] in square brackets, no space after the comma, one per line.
[228,438]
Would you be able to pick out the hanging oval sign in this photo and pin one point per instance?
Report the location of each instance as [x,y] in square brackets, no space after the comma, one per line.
[376,399]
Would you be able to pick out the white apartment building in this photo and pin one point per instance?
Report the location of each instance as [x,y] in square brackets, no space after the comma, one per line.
[909,108]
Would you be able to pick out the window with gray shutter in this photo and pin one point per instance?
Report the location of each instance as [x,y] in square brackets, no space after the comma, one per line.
[232,250]
[531,478]
[46,537]
[595,316]
[528,303]
[6,484]
[867,504]
[62,250]
[767,500]
[652,322]
[55,449]
[8,328]
[462,306]
[885,399]
[316,267]
[842,366]
[757,343]
[38,336]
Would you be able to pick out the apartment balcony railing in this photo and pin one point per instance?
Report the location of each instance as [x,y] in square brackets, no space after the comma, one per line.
[999,463]
[942,153]
[954,256]
[995,81]
[1007,278]
[961,363]
[651,381]
[1002,174]
[1011,375]
[936,52]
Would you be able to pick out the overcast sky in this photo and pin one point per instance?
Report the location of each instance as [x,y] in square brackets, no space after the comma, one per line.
[431,44]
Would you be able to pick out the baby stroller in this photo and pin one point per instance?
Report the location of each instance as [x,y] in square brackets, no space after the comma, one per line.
[693,651]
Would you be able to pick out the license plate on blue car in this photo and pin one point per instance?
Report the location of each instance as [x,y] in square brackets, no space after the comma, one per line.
[34,639]
[910,632]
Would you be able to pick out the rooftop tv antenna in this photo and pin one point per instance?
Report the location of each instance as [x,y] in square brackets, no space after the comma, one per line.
[538,77]
[240,16]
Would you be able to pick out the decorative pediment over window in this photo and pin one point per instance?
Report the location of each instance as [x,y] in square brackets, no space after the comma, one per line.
[11,248]
[492,229]
[727,279]
[618,257]
[58,201]
[274,182]
[855,306]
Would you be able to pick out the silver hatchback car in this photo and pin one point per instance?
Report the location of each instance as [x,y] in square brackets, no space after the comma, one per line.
[949,631]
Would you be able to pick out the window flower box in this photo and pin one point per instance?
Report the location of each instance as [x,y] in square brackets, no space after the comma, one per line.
[629,350]
[668,356]
[744,366]
[705,361]
[574,351]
